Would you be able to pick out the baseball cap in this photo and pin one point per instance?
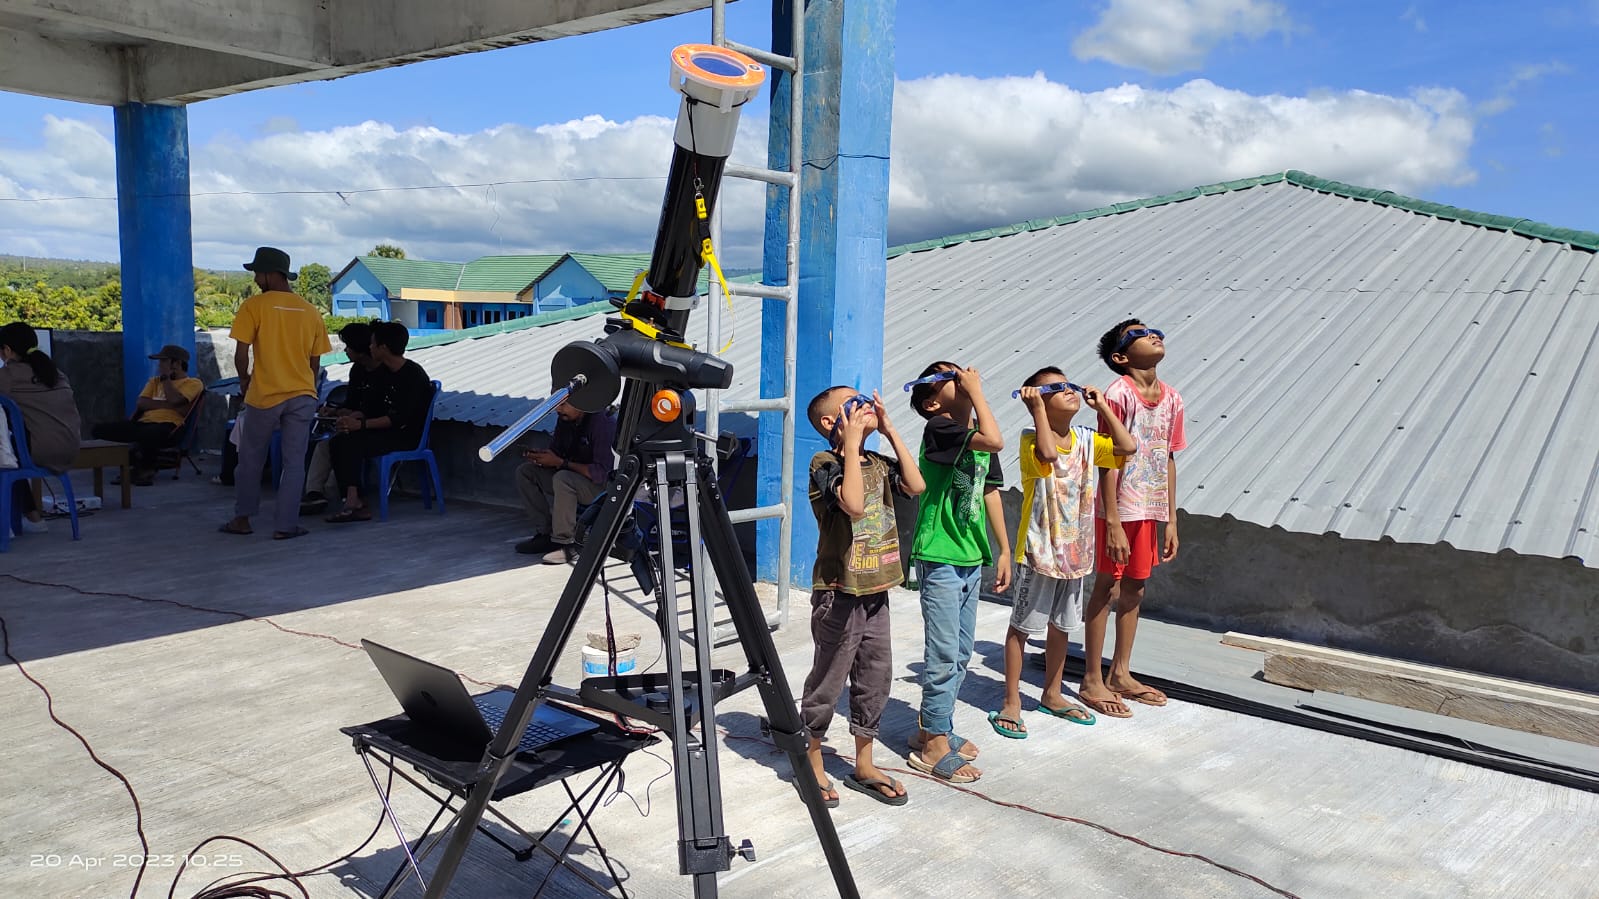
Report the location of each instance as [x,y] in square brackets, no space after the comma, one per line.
[172,351]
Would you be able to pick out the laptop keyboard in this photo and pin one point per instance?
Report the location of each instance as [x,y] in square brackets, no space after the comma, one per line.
[536,736]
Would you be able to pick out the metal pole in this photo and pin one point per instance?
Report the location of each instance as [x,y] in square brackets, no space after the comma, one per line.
[719,22]
[713,336]
[796,118]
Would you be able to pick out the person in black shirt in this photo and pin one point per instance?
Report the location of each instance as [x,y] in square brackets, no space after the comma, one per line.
[554,482]
[393,420]
[362,393]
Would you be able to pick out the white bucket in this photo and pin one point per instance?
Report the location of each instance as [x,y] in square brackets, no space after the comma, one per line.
[596,662]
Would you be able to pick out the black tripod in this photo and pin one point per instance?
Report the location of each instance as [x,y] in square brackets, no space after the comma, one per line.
[658,447]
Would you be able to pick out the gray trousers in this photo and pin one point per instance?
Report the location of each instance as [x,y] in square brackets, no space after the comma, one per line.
[552,496]
[319,474]
[852,643]
[293,417]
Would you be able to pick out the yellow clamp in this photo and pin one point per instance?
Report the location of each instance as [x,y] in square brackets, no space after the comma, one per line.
[708,255]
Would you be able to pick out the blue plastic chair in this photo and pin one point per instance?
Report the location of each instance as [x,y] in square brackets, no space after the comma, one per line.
[10,514]
[422,453]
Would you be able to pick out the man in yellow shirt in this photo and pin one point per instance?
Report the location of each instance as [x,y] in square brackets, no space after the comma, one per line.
[286,337]
[162,407]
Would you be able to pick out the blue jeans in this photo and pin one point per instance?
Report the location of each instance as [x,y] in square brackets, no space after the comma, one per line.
[949,622]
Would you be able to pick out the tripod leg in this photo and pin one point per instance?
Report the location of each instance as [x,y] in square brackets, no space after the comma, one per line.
[703,847]
[502,749]
[788,731]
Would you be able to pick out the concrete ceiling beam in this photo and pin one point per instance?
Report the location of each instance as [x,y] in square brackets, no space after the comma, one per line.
[63,69]
[288,32]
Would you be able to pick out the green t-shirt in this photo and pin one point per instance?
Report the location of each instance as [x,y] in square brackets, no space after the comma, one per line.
[952,522]
[855,557]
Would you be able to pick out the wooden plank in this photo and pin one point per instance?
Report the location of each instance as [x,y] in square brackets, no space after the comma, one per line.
[1449,676]
[1351,678]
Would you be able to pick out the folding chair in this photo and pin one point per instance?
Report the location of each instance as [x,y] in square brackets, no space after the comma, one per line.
[422,453]
[26,470]
[180,448]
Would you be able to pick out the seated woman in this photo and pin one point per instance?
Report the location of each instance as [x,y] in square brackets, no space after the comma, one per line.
[49,412]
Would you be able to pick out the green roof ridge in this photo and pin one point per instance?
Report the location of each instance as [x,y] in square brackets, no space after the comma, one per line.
[520,324]
[1586,240]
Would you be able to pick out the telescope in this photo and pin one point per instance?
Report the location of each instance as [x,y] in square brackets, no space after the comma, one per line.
[644,357]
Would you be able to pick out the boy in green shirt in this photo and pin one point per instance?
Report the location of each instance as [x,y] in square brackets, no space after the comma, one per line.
[958,509]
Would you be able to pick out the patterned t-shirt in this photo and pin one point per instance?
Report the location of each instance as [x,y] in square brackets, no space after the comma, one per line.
[855,557]
[1058,502]
[1141,490]
[951,519]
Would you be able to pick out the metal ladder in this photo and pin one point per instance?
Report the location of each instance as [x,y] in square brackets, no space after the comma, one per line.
[785,404]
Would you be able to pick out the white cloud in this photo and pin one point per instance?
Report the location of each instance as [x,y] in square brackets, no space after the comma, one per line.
[1169,36]
[1521,77]
[1413,15]
[967,153]
[971,153]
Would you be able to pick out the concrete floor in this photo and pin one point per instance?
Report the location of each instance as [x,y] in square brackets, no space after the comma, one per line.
[228,726]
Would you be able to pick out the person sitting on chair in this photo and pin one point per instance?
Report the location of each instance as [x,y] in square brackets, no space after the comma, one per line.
[363,394]
[160,411]
[554,482]
[49,412]
[401,408]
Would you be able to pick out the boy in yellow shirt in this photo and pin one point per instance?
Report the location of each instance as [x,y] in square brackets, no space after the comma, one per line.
[1060,470]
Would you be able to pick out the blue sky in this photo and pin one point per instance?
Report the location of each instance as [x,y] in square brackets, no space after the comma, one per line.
[1072,105]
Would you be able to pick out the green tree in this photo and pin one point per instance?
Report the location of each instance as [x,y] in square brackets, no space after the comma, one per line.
[316,285]
[387,251]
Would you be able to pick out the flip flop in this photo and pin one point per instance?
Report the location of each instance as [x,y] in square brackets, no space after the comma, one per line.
[289,535]
[826,786]
[947,768]
[346,516]
[870,788]
[1007,727]
[241,532]
[1104,707]
[1065,714]
[1142,696]
[956,742]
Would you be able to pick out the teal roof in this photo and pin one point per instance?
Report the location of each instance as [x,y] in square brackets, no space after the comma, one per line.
[509,274]
[1586,240]
[615,271]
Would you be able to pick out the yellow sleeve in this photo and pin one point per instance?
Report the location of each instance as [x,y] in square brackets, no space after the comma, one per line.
[1105,453]
[323,345]
[244,323]
[1031,467]
[150,388]
[190,388]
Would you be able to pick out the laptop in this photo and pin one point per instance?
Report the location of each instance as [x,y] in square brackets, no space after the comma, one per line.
[434,697]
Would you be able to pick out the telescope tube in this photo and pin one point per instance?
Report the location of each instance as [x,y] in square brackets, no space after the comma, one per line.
[714,82]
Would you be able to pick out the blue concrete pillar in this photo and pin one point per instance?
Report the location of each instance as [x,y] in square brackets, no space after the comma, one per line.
[157,245]
[848,103]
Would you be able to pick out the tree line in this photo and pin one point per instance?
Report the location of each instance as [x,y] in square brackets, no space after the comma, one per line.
[87,296]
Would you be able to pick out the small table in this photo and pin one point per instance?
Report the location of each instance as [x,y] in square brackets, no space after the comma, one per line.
[100,455]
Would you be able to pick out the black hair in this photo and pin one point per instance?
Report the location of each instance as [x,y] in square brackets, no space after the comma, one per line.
[392,336]
[357,337]
[1036,377]
[818,407]
[24,341]
[1108,344]
[921,393]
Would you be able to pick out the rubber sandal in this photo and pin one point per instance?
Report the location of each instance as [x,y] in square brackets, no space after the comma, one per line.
[345,516]
[289,535]
[956,742]
[1103,707]
[947,768]
[239,532]
[1065,714]
[1142,696]
[826,787]
[1006,727]
[870,788]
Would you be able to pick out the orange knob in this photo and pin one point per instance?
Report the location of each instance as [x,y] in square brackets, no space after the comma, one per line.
[666,405]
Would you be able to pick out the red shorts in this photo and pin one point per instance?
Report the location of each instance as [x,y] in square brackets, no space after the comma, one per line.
[1143,540]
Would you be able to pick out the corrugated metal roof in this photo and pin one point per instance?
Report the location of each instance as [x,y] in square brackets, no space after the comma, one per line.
[420,273]
[1348,366]
[508,274]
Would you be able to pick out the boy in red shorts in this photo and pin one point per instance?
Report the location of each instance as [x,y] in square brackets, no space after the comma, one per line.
[1145,497]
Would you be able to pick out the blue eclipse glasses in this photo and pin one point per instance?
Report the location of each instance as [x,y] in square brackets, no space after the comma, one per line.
[1135,333]
[848,409]
[1047,389]
[933,378]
